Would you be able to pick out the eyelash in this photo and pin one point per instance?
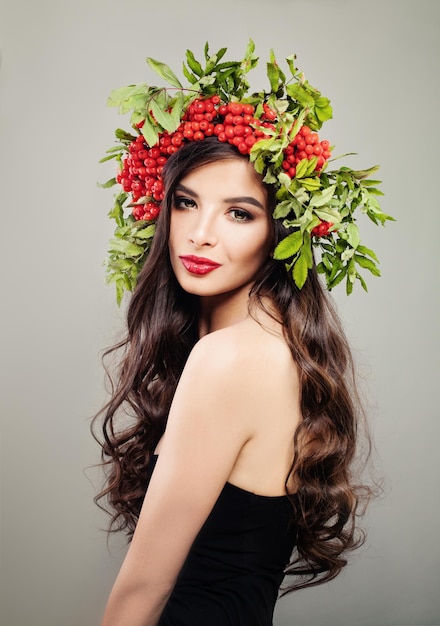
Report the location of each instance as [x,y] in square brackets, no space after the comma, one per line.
[179,201]
[238,215]
[245,215]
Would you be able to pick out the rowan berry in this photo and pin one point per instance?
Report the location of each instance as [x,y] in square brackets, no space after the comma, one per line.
[269,114]
[250,140]
[235,108]
[198,106]
[322,229]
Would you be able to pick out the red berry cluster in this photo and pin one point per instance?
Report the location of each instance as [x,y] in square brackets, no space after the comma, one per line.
[322,229]
[233,122]
[141,175]
[239,127]
[198,119]
[142,167]
[305,145]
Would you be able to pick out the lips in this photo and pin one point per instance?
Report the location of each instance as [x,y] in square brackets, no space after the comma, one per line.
[198,265]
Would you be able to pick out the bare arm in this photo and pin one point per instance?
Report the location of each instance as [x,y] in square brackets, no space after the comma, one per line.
[207,428]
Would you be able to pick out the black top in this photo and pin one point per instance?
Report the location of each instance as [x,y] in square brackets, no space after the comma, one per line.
[236,563]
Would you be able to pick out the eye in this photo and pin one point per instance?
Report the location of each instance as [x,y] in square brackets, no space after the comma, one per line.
[240,215]
[182,202]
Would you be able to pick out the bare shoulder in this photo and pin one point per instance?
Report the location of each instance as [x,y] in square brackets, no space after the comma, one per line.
[247,354]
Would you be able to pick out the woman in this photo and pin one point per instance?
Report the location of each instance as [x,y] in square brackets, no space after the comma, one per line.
[234,466]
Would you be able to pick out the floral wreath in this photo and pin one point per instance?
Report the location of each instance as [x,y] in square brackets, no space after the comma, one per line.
[276,128]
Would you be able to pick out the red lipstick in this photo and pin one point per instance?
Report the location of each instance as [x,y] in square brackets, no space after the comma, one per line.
[198,264]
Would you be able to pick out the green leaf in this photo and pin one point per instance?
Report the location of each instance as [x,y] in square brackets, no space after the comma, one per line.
[326,262]
[347,254]
[189,77]
[300,271]
[282,209]
[119,148]
[328,215]
[366,251]
[177,108]
[164,119]
[126,247]
[360,174]
[289,246]
[322,198]
[371,182]
[122,135]
[129,98]
[108,184]
[193,64]
[146,233]
[367,264]
[150,133]
[117,96]
[311,184]
[109,158]
[301,168]
[164,71]
[263,144]
[307,250]
[323,110]
[337,278]
[353,235]
[298,93]
[362,281]
[220,54]
[273,75]
[291,63]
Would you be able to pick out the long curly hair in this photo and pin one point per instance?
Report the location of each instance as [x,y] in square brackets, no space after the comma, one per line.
[161,331]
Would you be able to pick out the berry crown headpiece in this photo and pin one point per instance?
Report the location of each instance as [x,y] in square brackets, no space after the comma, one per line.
[276,128]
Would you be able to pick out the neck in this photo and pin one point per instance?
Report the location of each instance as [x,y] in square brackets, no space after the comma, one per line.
[223,310]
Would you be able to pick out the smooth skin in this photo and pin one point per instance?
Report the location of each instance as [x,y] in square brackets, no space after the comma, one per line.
[237,404]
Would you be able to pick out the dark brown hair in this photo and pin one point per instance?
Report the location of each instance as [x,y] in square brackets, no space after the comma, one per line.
[162,330]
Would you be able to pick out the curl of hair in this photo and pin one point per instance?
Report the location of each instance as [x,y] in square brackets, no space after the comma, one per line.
[162,330]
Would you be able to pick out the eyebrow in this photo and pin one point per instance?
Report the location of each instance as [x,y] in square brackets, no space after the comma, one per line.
[245,199]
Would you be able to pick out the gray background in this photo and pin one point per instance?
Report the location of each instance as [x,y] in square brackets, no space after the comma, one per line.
[378,62]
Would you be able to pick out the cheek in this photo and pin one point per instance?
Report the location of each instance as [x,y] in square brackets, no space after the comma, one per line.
[254,250]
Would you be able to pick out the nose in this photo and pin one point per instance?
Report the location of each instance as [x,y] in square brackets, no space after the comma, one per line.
[202,233]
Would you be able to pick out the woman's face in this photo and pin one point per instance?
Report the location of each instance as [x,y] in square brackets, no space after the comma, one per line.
[220,231]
